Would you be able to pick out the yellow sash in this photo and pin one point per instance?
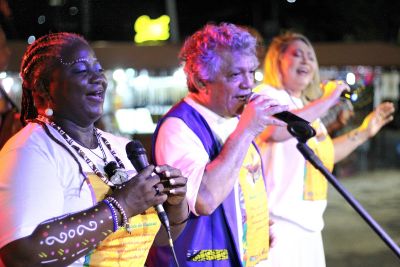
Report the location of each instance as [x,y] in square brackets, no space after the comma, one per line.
[121,248]
[315,184]
[256,226]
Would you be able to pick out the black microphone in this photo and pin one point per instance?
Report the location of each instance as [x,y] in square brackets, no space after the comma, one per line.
[285,116]
[289,117]
[296,125]
[137,155]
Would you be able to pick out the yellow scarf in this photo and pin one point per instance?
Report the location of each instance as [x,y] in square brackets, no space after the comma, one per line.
[315,183]
[256,225]
[121,248]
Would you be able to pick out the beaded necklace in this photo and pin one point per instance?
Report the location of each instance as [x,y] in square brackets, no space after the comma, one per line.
[80,152]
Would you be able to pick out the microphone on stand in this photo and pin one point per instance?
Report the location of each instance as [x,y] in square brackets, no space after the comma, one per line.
[289,117]
[297,126]
[137,155]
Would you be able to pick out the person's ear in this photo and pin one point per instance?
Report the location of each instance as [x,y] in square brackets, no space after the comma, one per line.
[41,86]
[41,94]
[200,85]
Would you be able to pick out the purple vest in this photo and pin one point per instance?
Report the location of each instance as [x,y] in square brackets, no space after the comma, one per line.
[206,241]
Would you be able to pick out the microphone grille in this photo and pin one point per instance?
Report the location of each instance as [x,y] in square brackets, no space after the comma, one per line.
[135,147]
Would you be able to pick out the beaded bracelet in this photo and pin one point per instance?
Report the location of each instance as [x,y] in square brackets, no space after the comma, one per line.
[113,214]
[125,222]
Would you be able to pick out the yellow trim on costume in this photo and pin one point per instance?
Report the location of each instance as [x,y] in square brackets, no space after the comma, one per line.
[209,255]
[315,183]
[256,227]
[121,248]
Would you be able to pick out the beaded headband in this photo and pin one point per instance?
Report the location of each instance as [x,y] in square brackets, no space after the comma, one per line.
[82,59]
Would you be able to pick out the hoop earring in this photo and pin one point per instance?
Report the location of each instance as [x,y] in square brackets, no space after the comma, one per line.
[48,112]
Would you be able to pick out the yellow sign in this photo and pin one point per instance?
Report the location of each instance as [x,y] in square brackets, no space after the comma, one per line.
[148,29]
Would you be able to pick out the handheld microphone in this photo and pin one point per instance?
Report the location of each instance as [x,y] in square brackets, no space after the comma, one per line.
[137,155]
[297,126]
[350,95]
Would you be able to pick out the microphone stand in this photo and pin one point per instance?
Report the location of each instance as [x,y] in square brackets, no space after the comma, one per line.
[303,131]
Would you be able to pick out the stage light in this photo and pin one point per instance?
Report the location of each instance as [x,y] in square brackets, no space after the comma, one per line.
[350,78]
[31,39]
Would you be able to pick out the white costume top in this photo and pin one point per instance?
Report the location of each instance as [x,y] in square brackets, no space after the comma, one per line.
[40,180]
[284,168]
[193,160]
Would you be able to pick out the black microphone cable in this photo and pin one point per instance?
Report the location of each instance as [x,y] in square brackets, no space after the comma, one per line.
[137,155]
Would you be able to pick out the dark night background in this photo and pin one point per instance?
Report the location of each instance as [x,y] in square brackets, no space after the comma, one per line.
[332,21]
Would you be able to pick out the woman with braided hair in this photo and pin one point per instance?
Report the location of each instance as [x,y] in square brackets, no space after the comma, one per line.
[59,207]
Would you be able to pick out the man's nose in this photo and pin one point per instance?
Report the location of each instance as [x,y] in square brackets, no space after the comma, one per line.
[248,81]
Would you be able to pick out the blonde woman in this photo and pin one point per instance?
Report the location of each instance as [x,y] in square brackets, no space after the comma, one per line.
[297,191]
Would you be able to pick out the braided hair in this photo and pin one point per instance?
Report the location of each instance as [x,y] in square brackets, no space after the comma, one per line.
[37,65]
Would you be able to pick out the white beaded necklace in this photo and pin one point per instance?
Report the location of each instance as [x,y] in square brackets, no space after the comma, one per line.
[75,145]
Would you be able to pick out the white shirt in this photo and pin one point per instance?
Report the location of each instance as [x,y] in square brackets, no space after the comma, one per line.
[40,180]
[178,146]
[284,166]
